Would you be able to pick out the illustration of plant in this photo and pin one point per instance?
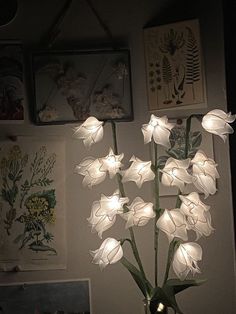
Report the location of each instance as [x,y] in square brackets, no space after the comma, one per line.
[179,79]
[167,79]
[171,42]
[177,149]
[40,168]
[192,60]
[12,168]
[154,77]
[34,210]
[40,212]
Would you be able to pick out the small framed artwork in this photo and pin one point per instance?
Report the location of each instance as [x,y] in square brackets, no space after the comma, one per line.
[11,82]
[50,297]
[174,68]
[70,86]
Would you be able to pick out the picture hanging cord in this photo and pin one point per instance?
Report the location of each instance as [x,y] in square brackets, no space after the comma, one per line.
[50,37]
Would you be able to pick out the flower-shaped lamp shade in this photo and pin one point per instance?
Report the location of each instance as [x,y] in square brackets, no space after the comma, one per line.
[111,163]
[204,173]
[159,129]
[217,122]
[139,213]
[175,173]
[103,214]
[202,164]
[201,224]
[185,259]
[109,252]
[90,168]
[139,172]
[192,205]
[91,131]
[174,224]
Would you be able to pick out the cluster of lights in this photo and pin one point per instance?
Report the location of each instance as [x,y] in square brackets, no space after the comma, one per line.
[191,214]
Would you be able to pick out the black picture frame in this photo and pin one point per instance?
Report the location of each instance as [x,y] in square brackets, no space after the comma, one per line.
[71,85]
[12,82]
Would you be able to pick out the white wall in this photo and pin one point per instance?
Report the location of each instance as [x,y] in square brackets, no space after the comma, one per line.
[113,291]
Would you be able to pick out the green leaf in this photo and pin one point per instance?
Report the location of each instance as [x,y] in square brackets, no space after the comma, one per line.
[143,284]
[196,139]
[180,285]
[164,296]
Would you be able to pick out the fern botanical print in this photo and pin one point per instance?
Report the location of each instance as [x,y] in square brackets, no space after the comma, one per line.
[176,49]
[28,203]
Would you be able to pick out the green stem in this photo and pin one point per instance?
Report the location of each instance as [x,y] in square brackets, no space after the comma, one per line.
[171,252]
[157,210]
[122,192]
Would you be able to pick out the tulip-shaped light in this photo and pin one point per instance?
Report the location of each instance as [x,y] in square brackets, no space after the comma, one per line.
[109,252]
[175,173]
[111,163]
[139,172]
[139,213]
[174,224]
[91,131]
[90,168]
[192,205]
[204,173]
[159,129]
[217,122]
[185,259]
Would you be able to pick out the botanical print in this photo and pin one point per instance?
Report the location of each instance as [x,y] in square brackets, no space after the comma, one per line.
[30,203]
[11,82]
[61,297]
[72,86]
[173,65]
[177,148]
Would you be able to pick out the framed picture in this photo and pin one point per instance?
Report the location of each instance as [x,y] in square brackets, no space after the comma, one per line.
[32,204]
[11,82]
[70,86]
[174,68]
[48,297]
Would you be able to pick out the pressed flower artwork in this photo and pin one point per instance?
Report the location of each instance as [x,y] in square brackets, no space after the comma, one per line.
[174,69]
[70,86]
[31,205]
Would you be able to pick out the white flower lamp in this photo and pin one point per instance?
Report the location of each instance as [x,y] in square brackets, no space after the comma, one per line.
[139,213]
[109,252]
[185,259]
[159,129]
[111,163]
[175,173]
[173,223]
[91,131]
[217,122]
[139,172]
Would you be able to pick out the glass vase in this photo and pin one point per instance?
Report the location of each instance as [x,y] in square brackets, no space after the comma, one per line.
[160,308]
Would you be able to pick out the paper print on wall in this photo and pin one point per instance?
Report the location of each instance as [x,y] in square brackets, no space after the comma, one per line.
[11,82]
[32,218]
[177,149]
[174,68]
[64,297]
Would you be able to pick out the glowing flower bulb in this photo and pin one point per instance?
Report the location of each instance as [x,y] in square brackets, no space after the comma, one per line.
[103,214]
[159,129]
[139,213]
[90,168]
[191,205]
[174,224]
[175,173]
[109,252]
[204,173]
[185,259]
[91,131]
[139,172]
[111,163]
[216,122]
